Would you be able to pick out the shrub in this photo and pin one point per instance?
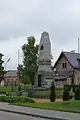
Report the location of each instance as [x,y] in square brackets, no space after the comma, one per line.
[2,98]
[19,91]
[71,94]
[77,93]
[66,94]
[11,99]
[68,87]
[52,94]
[19,88]
[12,88]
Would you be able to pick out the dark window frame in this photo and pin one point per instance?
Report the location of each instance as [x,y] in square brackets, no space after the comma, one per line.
[41,48]
[64,65]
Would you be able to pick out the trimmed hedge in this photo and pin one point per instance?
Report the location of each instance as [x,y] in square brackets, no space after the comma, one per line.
[77,93]
[66,96]
[52,94]
[15,99]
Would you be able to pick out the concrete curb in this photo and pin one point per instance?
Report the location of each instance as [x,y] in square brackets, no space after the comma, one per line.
[31,114]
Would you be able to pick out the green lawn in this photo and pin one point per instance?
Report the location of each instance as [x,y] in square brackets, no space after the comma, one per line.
[37,94]
[5,89]
[8,88]
[40,93]
[69,106]
[44,92]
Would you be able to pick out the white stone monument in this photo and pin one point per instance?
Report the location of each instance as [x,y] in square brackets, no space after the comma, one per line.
[44,75]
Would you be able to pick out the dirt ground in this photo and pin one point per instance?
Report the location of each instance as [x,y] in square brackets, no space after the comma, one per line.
[45,100]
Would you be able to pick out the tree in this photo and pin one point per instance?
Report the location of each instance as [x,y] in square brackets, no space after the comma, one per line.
[66,96]
[52,94]
[2,72]
[30,52]
[25,79]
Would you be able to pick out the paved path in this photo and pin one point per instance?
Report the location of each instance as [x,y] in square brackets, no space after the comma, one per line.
[36,112]
[12,116]
[45,100]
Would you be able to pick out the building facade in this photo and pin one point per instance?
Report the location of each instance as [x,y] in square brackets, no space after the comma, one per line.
[67,69]
[11,78]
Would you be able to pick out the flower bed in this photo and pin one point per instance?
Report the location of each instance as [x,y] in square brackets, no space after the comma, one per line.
[11,99]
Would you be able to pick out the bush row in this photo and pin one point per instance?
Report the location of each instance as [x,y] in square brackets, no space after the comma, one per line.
[73,93]
[11,99]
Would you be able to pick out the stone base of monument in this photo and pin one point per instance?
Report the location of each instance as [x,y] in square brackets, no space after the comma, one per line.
[43,79]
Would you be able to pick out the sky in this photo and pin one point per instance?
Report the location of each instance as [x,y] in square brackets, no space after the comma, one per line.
[22,18]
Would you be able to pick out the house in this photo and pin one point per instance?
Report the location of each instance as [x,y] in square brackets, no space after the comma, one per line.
[11,78]
[67,69]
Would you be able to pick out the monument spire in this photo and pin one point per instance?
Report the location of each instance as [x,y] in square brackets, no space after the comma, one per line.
[44,76]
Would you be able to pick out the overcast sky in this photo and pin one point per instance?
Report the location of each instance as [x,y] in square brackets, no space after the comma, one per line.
[22,18]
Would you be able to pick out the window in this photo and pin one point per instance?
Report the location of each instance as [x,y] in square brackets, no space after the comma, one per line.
[64,65]
[39,80]
[41,48]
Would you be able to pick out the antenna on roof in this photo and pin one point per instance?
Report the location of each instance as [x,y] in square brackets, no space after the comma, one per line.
[78,47]
[78,62]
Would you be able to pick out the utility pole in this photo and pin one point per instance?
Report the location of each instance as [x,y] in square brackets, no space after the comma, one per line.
[78,62]
[18,65]
[18,56]
[78,47]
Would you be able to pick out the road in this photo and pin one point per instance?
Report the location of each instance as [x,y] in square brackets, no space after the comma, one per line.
[12,116]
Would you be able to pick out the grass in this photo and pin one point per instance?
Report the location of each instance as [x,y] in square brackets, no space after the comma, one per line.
[37,94]
[47,92]
[8,88]
[42,92]
[5,89]
[68,106]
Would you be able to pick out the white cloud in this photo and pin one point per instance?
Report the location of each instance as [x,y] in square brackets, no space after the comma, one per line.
[21,18]
[10,50]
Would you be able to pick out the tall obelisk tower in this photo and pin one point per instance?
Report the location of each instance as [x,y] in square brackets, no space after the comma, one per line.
[44,75]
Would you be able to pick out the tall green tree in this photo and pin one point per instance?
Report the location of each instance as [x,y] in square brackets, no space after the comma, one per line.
[2,72]
[30,52]
[23,77]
